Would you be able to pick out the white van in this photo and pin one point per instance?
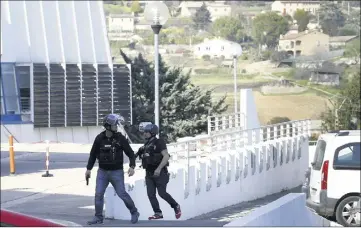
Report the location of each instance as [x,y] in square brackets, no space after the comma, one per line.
[334,177]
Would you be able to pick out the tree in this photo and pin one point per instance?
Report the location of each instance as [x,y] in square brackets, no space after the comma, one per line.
[278,56]
[135,7]
[345,107]
[202,18]
[348,30]
[303,18]
[271,24]
[184,107]
[331,18]
[288,18]
[173,7]
[353,22]
[229,28]
[353,50]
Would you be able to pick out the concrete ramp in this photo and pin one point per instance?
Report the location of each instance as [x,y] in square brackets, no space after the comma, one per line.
[289,210]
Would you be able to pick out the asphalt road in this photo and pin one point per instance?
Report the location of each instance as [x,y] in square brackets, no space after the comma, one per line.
[35,162]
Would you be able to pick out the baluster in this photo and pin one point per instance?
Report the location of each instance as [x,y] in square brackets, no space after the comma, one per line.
[224,121]
[209,120]
[268,129]
[282,128]
[216,123]
[230,121]
[288,130]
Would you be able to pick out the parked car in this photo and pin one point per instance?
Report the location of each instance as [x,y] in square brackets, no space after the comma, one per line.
[333,181]
[10,218]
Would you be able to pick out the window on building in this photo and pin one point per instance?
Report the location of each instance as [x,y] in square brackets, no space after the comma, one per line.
[298,42]
[9,89]
[222,48]
[23,78]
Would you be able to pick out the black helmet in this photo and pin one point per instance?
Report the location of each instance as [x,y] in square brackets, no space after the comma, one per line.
[112,121]
[152,129]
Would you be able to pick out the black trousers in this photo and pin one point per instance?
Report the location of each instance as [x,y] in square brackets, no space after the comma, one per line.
[159,183]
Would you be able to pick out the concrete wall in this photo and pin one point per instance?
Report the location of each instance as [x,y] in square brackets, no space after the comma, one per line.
[233,176]
[289,210]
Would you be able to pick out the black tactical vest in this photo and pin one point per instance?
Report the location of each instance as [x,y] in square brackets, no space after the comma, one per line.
[110,151]
[149,157]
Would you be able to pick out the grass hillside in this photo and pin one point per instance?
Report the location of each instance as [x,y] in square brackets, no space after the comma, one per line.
[298,106]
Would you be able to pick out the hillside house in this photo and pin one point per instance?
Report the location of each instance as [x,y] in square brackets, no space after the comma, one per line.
[121,23]
[217,9]
[215,48]
[327,74]
[290,7]
[309,42]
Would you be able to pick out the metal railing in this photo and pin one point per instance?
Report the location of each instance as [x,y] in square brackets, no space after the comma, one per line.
[218,123]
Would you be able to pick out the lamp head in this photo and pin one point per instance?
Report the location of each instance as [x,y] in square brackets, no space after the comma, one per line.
[156,13]
[236,50]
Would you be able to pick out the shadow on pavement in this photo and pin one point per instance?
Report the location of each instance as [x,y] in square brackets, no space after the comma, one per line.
[242,209]
[79,209]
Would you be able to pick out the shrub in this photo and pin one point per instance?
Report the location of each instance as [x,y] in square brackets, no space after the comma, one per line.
[244,57]
[278,56]
[203,71]
[206,57]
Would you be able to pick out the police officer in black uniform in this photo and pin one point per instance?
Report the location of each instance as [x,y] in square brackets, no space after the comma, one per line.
[108,148]
[155,158]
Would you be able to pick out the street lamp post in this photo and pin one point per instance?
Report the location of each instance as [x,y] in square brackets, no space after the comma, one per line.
[236,52]
[157,14]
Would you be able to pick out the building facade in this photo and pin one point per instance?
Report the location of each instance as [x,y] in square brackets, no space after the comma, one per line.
[121,23]
[216,48]
[290,7]
[57,76]
[307,43]
[217,9]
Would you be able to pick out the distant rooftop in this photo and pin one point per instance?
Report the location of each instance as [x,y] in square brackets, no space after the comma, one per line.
[297,35]
[341,38]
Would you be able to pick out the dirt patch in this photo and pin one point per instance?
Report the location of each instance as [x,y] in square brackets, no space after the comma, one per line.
[295,107]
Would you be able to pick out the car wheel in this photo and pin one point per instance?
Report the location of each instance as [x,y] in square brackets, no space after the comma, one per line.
[348,211]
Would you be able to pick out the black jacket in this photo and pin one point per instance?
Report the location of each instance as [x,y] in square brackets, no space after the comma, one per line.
[125,147]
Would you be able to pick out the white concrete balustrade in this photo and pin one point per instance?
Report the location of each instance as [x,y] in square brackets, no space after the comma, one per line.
[225,169]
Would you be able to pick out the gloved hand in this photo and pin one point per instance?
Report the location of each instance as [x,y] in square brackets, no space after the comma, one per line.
[87,176]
